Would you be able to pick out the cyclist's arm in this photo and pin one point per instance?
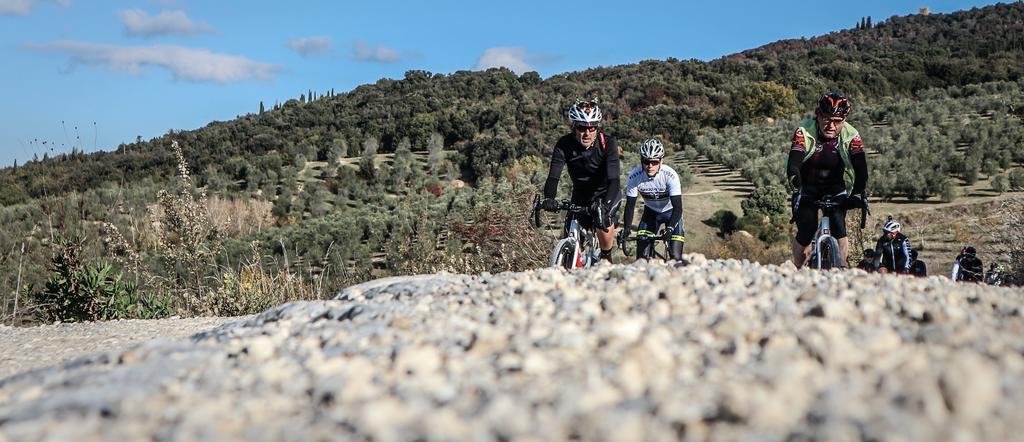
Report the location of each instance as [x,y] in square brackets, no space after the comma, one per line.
[879,251]
[675,195]
[677,210]
[554,172]
[860,171]
[796,158]
[627,218]
[905,250]
[612,172]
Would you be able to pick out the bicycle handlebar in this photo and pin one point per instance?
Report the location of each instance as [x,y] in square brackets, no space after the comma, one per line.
[565,205]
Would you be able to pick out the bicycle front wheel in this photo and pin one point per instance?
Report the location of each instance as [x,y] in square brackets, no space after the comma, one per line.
[564,254]
[829,255]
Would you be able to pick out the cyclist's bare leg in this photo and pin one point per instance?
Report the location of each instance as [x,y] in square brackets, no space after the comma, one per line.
[844,246]
[801,253]
[606,239]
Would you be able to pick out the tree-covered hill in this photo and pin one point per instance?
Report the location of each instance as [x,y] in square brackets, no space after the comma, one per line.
[673,98]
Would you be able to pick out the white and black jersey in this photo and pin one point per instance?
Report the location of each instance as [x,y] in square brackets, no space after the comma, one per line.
[656,190]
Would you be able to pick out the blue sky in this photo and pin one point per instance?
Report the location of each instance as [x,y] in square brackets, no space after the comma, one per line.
[121,69]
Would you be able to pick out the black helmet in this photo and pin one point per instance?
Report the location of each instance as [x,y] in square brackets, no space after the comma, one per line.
[970,250]
[869,253]
[834,104]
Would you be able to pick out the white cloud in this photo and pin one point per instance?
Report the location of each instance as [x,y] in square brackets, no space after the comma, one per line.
[381,54]
[311,46]
[184,63]
[514,58]
[137,23]
[15,7]
[23,7]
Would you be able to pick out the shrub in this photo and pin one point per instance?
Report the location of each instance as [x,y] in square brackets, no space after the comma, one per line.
[999,184]
[725,221]
[80,292]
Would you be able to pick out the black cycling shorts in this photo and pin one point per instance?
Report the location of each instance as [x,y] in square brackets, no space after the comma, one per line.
[806,215]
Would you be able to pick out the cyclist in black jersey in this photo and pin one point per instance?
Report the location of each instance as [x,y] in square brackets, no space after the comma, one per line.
[826,158]
[892,249]
[592,160]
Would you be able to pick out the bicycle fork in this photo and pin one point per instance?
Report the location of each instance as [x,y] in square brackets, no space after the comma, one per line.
[824,232]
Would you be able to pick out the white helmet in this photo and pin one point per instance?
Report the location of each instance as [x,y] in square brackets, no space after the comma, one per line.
[585,113]
[891,226]
[652,149]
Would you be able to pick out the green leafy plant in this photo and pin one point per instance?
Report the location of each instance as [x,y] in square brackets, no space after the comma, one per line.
[77,291]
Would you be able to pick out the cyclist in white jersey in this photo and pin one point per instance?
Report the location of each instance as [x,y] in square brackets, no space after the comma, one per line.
[663,201]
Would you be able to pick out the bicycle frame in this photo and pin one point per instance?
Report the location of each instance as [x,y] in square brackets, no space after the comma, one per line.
[823,234]
[826,205]
[582,241]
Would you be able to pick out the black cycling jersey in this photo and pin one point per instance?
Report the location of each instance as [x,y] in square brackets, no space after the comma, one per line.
[824,169]
[893,253]
[971,268]
[822,173]
[594,171]
[918,268]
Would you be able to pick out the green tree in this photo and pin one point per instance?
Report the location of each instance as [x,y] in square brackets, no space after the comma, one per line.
[1017,179]
[403,166]
[999,183]
[768,99]
[367,168]
[436,152]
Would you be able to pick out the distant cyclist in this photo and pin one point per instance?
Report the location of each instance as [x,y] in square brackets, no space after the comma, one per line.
[867,264]
[968,266]
[917,267]
[892,252]
[663,201]
[826,158]
[995,274]
[592,159]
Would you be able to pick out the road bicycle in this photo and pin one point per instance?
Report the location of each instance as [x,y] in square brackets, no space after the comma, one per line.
[825,247]
[653,251]
[578,247]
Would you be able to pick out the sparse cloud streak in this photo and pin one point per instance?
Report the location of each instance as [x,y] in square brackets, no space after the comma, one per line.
[516,59]
[381,54]
[15,7]
[311,46]
[137,23]
[189,64]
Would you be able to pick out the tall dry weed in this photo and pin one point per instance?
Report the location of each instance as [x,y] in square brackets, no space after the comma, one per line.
[1012,236]
[240,217]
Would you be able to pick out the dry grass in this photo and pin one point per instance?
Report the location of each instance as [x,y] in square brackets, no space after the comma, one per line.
[742,245]
[240,217]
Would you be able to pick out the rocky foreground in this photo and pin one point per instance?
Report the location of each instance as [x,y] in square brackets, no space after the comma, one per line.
[721,350]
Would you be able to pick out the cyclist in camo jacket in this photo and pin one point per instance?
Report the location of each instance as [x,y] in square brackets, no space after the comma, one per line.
[663,201]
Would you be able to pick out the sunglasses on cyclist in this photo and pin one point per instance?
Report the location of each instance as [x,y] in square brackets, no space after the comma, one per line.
[650,162]
[834,122]
[586,129]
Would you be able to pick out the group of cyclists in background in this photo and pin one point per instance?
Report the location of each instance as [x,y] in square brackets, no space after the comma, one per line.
[893,254]
[826,159]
